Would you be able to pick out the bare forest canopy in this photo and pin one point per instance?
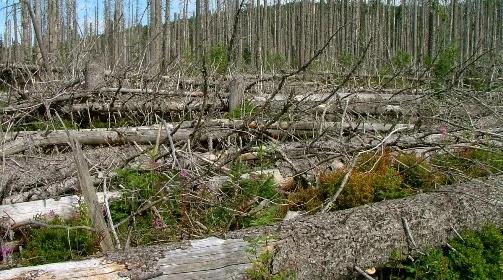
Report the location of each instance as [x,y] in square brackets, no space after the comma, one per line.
[254,36]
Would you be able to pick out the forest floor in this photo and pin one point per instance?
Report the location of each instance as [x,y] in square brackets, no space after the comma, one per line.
[86,171]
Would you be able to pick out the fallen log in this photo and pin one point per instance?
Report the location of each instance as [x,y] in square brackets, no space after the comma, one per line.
[368,103]
[140,135]
[328,246]
[149,106]
[64,207]
[22,141]
[164,93]
[209,258]
[322,246]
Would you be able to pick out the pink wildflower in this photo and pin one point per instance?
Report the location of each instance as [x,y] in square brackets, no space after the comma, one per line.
[6,252]
[184,173]
[157,222]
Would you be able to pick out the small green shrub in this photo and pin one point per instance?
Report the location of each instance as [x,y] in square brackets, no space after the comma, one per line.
[309,199]
[139,187]
[266,216]
[442,67]
[478,255]
[345,60]
[358,190]
[276,61]
[471,162]
[389,185]
[243,111]
[417,173]
[218,58]
[401,59]
[51,245]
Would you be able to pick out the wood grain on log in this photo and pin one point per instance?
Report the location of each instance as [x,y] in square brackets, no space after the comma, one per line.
[328,246]
[210,258]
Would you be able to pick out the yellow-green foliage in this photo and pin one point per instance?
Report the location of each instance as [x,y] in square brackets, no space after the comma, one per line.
[379,176]
[417,173]
[308,199]
[358,190]
[471,162]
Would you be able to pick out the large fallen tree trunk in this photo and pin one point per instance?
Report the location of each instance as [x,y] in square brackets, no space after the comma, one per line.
[323,246]
[364,103]
[328,246]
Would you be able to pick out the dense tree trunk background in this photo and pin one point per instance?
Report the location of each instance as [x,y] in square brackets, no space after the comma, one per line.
[269,34]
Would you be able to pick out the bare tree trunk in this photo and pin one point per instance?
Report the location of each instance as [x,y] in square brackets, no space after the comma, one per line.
[52,23]
[38,34]
[26,28]
[166,42]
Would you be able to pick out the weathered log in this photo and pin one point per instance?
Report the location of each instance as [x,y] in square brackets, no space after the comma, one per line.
[140,135]
[209,258]
[21,141]
[322,246]
[164,93]
[328,246]
[364,103]
[64,207]
[90,198]
[156,105]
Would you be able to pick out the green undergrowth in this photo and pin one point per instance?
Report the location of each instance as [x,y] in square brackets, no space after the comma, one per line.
[182,211]
[245,110]
[162,206]
[476,255]
[50,245]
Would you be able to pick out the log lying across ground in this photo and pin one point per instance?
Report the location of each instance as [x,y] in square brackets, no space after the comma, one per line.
[21,141]
[323,246]
[370,103]
[64,207]
[210,258]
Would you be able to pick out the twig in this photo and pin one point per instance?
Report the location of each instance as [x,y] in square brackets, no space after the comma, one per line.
[343,184]
[42,224]
[139,211]
[171,144]
[408,232]
[109,214]
[363,273]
